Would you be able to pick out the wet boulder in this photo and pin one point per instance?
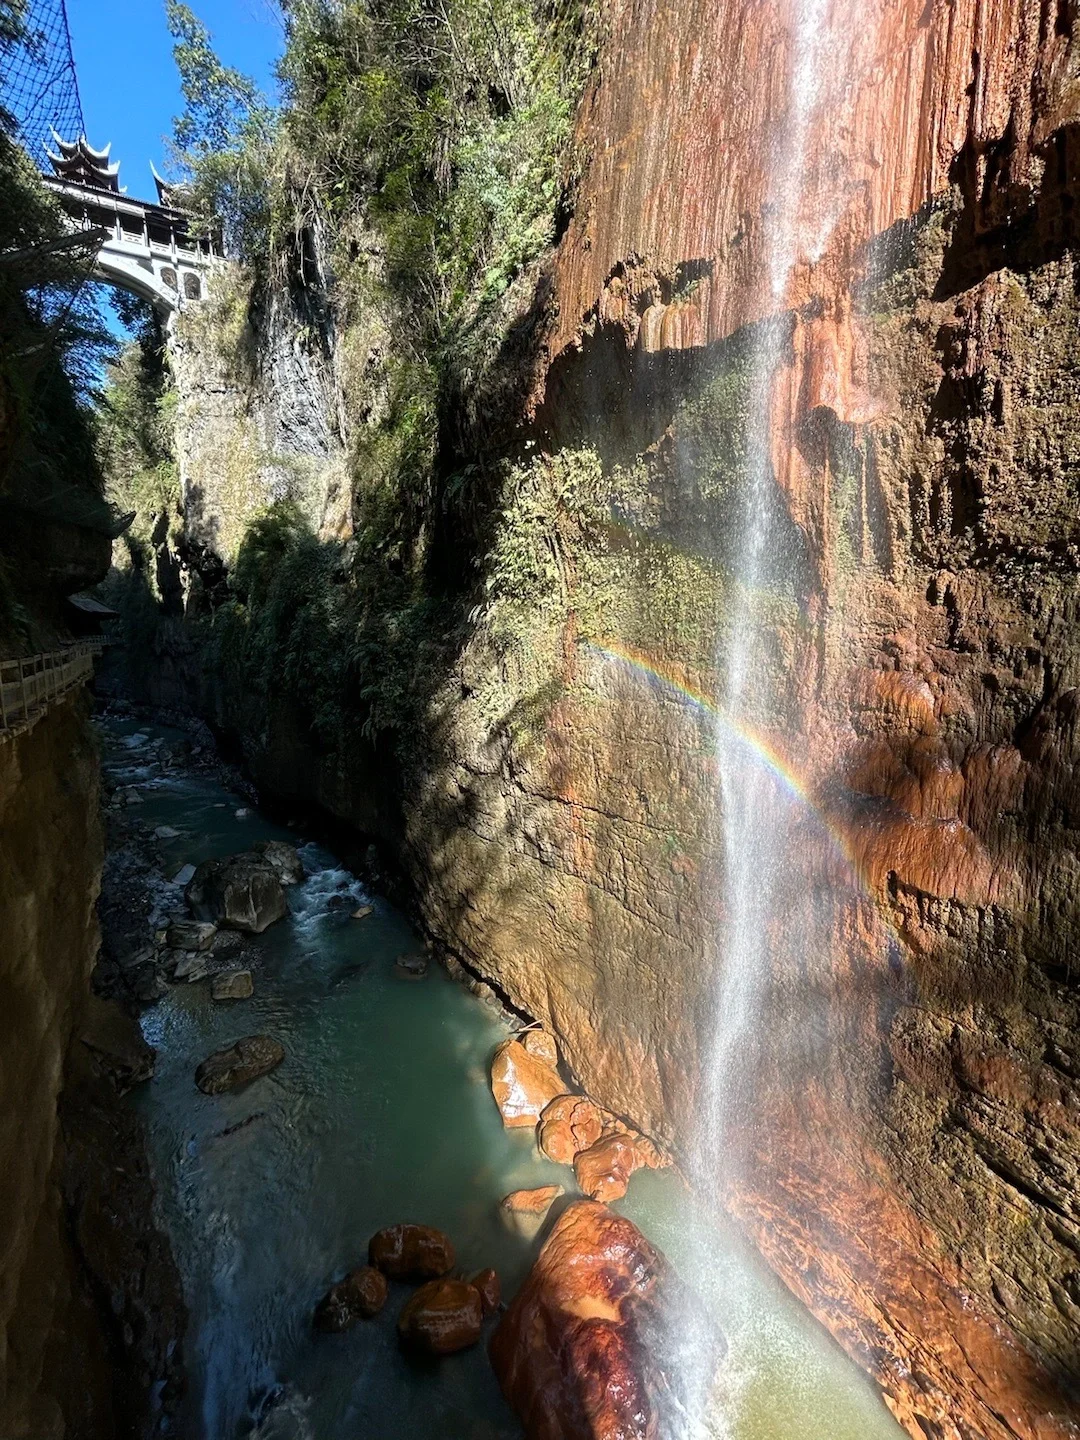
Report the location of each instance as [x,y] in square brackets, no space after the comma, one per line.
[541,1043]
[410,967]
[603,1171]
[283,858]
[241,892]
[524,1211]
[359,1296]
[189,965]
[523,1084]
[232,985]
[486,1283]
[570,1124]
[411,1252]
[239,1064]
[589,1347]
[442,1317]
[190,934]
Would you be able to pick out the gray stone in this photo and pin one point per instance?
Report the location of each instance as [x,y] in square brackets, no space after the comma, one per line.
[363,911]
[232,985]
[283,858]
[410,967]
[183,875]
[191,934]
[193,965]
[246,1060]
[241,892]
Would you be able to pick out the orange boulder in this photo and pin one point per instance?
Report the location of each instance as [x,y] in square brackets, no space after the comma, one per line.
[486,1283]
[522,1084]
[603,1171]
[570,1124]
[541,1044]
[581,1353]
[359,1296]
[411,1252]
[443,1316]
[524,1211]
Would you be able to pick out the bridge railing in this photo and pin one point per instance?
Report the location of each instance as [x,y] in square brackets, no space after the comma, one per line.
[30,684]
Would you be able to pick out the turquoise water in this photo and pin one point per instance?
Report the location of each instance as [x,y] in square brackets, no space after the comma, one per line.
[381,1112]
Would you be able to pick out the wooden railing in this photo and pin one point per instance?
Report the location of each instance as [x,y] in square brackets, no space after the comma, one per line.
[28,686]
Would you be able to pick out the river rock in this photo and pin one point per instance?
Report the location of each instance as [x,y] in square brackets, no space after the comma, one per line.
[524,1211]
[232,985]
[242,892]
[191,934]
[587,1347]
[362,912]
[284,859]
[359,1296]
[442,1317]
[411,1252]
[522,1084]
[246,1060]
[191,965]
[570,1124]
[411,967]
[603,1171]
[486,1283]
[541,1043]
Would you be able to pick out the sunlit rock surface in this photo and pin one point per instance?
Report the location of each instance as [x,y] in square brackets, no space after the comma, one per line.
[585,1348]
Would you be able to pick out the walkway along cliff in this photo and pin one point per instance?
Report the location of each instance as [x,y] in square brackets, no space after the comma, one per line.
[493,648]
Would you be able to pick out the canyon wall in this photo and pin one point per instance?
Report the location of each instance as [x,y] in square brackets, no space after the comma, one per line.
[49,798]
[90,1300]
[549,781]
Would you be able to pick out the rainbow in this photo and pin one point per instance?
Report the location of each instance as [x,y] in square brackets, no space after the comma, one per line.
[762,750]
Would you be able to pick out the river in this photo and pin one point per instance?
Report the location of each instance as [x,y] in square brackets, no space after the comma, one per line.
[381,1112]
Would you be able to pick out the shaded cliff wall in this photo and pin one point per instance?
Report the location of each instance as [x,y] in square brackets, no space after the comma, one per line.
[49,790]
[536,745]
[90,1302]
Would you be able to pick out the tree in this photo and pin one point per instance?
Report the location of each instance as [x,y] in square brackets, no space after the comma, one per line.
[222,140]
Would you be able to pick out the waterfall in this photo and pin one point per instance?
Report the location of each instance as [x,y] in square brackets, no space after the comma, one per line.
[757,809]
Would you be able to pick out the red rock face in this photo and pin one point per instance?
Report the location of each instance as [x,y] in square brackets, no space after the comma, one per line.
[580,1351]
[681,166]
[931,719]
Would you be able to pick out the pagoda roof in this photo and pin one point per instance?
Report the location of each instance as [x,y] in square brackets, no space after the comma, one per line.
[171,196]
[78,161]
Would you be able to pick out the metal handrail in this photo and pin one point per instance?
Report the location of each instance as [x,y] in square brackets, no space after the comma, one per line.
[31,683]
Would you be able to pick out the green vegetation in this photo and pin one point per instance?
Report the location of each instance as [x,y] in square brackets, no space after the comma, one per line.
[52,342]
[223,138]
[421,157]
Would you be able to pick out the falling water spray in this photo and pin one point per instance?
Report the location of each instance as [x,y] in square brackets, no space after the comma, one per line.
[756,814]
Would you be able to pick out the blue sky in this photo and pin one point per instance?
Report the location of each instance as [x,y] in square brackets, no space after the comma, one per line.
[128,82]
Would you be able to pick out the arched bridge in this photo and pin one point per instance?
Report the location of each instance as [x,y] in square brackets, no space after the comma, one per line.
[149,247]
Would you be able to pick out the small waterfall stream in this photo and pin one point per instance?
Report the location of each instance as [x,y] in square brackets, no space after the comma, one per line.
[760,809]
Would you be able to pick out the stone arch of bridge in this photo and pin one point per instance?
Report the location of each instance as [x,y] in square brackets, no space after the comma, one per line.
[165,285]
